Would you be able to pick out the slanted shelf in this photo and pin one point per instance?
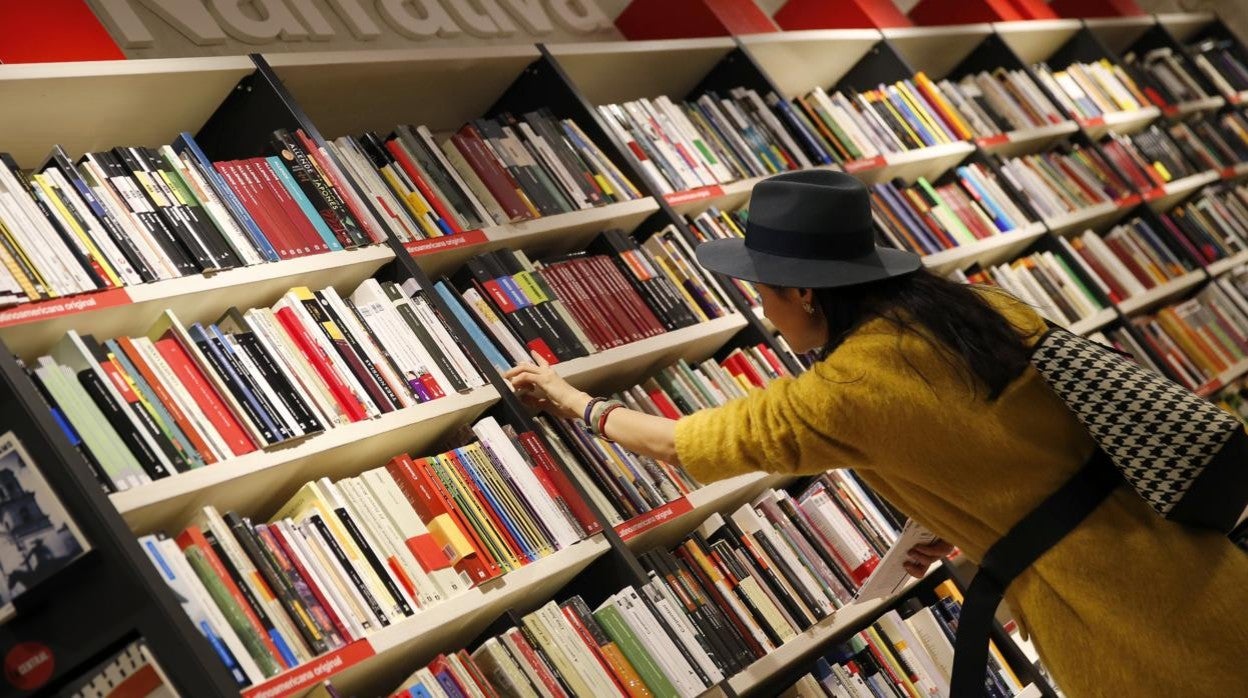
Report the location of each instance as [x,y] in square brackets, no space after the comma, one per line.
[1172,80]
[1161,294]
[1177,190]
[665,525]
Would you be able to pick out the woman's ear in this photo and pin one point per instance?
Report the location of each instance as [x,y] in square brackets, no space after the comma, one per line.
[806,296]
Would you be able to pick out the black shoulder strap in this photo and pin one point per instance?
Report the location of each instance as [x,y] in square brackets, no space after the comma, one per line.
[1021,546]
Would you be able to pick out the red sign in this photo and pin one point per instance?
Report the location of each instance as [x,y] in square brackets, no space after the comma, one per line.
[417,248]
[1169,110]
[1228,172]
[299,679]
[1154,194]
[640,524]
[1094,121]
[29,665]
[1128,201]
[42,310]
[684,197]
[990,141]
[868,164]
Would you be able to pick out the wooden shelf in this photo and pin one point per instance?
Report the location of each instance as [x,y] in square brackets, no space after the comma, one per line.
[1029,140]
[259,482]
[1233,373]
[798,61]
[375,665]
[98,105]
[1119,33]
[1124,122]
[842,624]
[348,92]
[930,163]
[623,366]
[664,526]
[610,72]
[725,197]
[30,330]
[1089,325]
[988,251]
[1035,40]
[936,50]
[1196,105]
[1091,217]
[1160,294]
[543,236]
[1224,265]
[1174,192]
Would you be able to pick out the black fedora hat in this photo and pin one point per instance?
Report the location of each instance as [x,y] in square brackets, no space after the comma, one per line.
[808,229]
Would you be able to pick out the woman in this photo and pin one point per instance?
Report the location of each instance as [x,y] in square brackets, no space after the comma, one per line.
[924,388]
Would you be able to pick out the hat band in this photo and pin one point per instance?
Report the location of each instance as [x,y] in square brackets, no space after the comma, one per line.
[805,245]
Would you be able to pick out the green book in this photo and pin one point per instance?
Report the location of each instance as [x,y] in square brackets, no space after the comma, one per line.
[834,126]
[232,611]
[154,407]
[1078,282]
[947,217]
[675,388]
[617,628]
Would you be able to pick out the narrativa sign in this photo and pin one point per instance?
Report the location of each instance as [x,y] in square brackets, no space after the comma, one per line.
[322,24]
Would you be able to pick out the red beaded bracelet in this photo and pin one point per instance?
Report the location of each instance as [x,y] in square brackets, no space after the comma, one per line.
[602,421]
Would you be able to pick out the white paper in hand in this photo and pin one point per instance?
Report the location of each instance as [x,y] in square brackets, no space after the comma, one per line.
[890,574]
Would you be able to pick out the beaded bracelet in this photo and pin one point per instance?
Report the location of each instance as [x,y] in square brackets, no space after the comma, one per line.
[600,427]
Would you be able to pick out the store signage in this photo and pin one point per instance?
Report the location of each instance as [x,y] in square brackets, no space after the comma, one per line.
[150,28]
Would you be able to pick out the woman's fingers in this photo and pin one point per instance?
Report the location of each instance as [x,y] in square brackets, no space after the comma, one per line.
[936,549]
[914,569]
[539,359]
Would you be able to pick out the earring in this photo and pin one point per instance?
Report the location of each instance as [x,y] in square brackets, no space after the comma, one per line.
[810,309]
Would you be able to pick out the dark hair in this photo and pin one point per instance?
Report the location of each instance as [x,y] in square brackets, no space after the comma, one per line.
[984,346]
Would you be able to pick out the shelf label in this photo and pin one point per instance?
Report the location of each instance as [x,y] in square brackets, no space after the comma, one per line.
[990,141]
[304,676]
[1094,121]
[1227,173]
[1128,201]
[869,164]
[1154,193]
[1170,110]
[417,248]
[684,197]
[640,524]
[57,307]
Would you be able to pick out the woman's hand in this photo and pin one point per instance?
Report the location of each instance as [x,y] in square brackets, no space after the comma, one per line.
[537,385]
[921,556]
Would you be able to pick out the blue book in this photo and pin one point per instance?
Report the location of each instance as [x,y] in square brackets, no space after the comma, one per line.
[512,289]
[492,499]
[492,354]
[162,417]
[449,685]
[900,207]
[916,124]
[288,181]
[1163,250]
[250,381]
[185,143]
[222,365]
[990,204]
[813,145]
[419,691]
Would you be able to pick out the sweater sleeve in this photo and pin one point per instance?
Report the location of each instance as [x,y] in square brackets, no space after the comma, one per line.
[795,425]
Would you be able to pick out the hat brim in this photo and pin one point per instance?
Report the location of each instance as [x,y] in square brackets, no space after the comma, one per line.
[732,258]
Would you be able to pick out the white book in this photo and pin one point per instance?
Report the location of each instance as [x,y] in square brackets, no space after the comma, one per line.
[349,322]
[188,587]
[651,634]
[94,229]
[752,524]
[48,257]
[320,576]
[358,609]
[432,322]
[493,438]
[714,114]
[396,608]
[611,117]
[553,165]
[430,682]
[421,589]
[394,216]
[402,302]
[339,365]
[155,257]
[890,574]
[283,412]
[578,652]
[57,253]
[660,144]
[660,595]
[927,630]
[1110,260]
[409,527]
[545,641]
[188,169]
[832,524]
[495,326]
[674,116]
[512,640]
[380,313]
[502,670]
[431,144]
[682,150]
[854,682]
[931,682]
[1073,294]
[292,362]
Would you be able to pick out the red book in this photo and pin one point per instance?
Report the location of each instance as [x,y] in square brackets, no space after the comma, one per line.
[612,304]
[746,368]
[1116,290]
[587,307]
[582,632]
[642,315]
[575,305]
[442,670]
[166,400]
[1123,253]
[501,185]
[298,225]
[201,391]
[334,178]
[316,356]
[193,537]
[516,640]
[431,501]
[772,359]
[557,482]
[474,672]
[413,172]
[243,188]
[327,608]
[665,404]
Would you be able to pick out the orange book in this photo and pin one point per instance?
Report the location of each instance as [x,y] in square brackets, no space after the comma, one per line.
[942,105]
[1191,342]
[607,652]
[166,399]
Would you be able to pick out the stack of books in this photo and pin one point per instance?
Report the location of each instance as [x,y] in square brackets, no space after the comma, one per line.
[1130,163]
[709,141]
[1222,62]
[341,560]
[1064,181]
[489,172]
[1001,102]
[1133,257]
[625,485]
[905,652]
[926,219]
[1090,90]
[1164,160]
[1197,340]
[1212,225]
[614,293]
[906,115]
[1060,284]
[128,216]
[714,224]
[1206,145]
[184,397]
[1171,80]
[1234,128]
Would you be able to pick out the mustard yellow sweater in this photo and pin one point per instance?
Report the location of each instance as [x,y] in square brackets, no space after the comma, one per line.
[1126,606]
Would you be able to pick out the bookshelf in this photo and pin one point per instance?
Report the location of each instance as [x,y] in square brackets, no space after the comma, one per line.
[233,102]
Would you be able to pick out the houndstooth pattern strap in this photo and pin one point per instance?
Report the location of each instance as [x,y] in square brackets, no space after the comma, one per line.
[1160,435]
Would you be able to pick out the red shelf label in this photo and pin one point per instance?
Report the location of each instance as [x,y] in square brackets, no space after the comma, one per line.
[989,141]
[1154,194]
[300,678]
[57,307]
[1209,388]
[1094,121]
[684,197]
[1128,201]
[869,164]
[640,524]
[417,248]
[1170,110]
[1227,172]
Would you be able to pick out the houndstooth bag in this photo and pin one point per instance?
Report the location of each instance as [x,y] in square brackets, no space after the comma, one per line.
[1186,457]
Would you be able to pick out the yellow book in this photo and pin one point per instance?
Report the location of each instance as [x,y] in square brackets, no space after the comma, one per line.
[950,112]
[461,492]
[17,263]
[93,253]
[888,105]
[921,113]
[414,202]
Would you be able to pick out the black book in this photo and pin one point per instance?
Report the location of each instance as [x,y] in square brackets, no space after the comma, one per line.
[564,346]
[770,576]
[506,262]
[724,554]
[498,141]
[663,286]
[387,394]
[565,195]
[348,351]
[708,632]
[237,326]
[373,560]
[122,424]
[322,529]
[394,293]
[242,393]
[454,197]
[328,204]
[250,381]
[256,607]
[474,274]
[546,125]
[60,160]
[175,220]
[129,192]
[782,564]
[649,596]
[279,585]
[182,200]
[733,631]
[614,249]
[97,469]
